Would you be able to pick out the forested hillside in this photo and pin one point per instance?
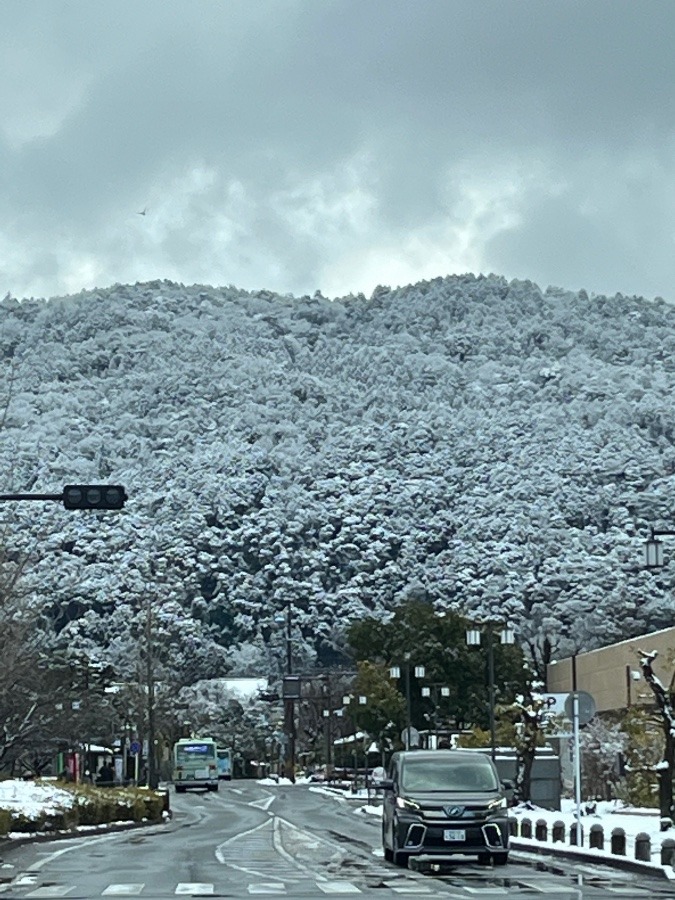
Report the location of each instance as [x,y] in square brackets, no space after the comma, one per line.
[483,445]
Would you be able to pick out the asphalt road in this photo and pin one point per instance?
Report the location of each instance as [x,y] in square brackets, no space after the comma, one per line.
[253,840]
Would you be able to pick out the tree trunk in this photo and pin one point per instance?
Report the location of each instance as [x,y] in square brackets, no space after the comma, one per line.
[664,703]
[525,762]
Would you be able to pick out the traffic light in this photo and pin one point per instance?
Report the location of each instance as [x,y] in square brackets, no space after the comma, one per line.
[94,496]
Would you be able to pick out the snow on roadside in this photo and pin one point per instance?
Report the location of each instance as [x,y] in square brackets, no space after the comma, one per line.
[286,782]
[610,815]
[30,798]
[369,810]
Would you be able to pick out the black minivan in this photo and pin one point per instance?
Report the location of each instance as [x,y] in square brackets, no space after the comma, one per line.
[443,803]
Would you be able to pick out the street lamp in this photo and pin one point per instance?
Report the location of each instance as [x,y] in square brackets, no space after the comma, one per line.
[150,678]
[473,639]
[654,549]
[432,692]
[395,672]
[361,700]
[327,715]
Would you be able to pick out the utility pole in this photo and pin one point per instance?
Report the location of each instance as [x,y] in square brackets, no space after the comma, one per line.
[150,685]
[289,702]
[491,683]
[408,704]
[327,712]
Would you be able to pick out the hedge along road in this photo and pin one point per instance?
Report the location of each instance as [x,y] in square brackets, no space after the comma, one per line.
[252,839]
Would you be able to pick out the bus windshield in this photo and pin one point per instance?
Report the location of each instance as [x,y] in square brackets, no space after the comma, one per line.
[195,752]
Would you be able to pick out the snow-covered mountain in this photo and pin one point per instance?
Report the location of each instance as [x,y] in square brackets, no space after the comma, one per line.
[480,444]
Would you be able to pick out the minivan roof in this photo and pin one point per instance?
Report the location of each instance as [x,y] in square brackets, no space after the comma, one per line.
[456,755]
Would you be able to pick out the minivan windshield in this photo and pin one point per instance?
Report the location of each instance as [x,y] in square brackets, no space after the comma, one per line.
[447,775]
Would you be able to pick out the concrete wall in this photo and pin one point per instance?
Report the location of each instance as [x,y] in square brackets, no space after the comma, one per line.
[546,774]
[607,673]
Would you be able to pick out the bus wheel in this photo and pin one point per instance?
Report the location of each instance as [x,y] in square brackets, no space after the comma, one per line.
[180,789]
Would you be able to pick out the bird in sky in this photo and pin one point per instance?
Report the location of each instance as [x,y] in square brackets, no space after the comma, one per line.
[143,211]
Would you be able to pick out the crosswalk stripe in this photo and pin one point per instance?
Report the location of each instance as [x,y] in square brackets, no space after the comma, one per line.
[193,887]
[625,891]
[413,889]
[52,890]
[485,890]
[338,887]
[267,887]
[123,890]
[540,887]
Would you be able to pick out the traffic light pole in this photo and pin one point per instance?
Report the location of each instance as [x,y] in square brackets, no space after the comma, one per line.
[80,496]
[56,497]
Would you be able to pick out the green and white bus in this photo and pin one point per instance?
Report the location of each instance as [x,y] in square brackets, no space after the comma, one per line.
[224,764]
[195,764]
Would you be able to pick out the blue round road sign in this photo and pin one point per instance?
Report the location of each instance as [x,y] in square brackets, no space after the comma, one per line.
[135,747]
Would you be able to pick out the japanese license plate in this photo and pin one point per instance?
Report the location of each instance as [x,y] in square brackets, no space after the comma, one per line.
[451,834]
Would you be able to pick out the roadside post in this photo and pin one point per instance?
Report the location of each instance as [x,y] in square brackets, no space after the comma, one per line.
[135,750]
[580,708]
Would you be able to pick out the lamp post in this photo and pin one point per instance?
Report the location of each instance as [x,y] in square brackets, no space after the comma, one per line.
[432,691]
[654,560]
[654,549]
[362,700]
[328,713]
[291,693]
[150,686]
[473,638]
[395,672]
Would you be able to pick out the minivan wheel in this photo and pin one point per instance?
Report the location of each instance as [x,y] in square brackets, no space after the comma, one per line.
[500,859]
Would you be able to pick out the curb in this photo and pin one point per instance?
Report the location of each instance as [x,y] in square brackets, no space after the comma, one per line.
[42,837]
[597,859]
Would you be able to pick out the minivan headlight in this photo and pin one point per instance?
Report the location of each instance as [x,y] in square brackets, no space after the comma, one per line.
[501,803]
[402,803]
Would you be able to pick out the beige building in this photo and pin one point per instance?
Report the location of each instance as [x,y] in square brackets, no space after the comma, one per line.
[612,674]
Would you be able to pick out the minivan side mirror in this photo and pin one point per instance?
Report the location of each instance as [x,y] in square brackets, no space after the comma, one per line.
[507,784]
[385,784]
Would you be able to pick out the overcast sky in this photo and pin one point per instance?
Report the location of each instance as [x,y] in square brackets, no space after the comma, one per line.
[333,145]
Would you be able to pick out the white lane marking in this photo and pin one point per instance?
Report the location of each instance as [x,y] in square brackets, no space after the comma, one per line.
[82,842]
[193,887]
[281,850]
[333,845]
[338,887]
[123,890]
[24,879]
[264,803]
[54,890]
[236,791]
[221,850]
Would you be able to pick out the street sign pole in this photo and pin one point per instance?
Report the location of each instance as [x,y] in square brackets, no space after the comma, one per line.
[580,708]
[577,767]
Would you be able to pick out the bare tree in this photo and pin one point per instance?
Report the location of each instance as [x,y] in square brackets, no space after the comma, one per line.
[664,703]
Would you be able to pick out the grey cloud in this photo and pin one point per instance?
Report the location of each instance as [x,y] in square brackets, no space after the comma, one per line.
[275,94]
